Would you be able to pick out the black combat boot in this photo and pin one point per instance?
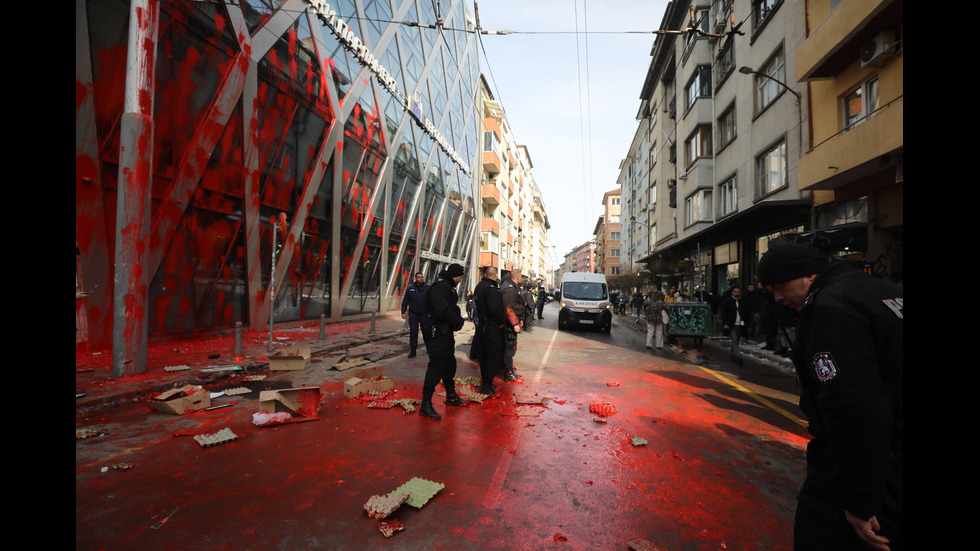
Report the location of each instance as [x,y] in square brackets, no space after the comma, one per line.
[454,400]
[426,410]
[488,389]
[412,353]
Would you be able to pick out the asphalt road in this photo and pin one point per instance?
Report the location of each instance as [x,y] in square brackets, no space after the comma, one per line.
[602,444]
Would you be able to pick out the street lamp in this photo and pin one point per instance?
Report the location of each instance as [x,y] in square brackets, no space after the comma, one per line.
[745,70]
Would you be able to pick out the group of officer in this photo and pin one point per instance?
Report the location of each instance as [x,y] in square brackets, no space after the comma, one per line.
[500,312]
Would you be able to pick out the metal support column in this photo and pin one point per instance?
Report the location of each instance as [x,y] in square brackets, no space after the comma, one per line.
[131,280]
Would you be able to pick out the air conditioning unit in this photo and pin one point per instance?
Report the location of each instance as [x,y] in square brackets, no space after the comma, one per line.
[878,49]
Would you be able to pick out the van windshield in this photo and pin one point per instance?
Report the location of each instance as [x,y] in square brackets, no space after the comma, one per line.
[584,290]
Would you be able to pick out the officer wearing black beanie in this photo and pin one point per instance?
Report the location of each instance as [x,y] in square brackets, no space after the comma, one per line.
[446,319]
[849,357]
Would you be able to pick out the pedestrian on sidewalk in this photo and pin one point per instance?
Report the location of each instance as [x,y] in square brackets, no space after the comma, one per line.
[514,309]
[637,303]
[446,319]
[490,329]
[654,308]
[415,309]
[849,357]
[733,320]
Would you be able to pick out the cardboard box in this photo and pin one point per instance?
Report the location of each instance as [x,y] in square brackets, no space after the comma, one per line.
[302,401]
[289,359]
[365,380]
[181,400]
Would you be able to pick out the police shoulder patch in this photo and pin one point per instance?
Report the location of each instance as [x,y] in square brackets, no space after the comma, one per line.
[825,367]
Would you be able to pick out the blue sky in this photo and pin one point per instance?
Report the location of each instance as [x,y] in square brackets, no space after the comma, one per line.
[570,97]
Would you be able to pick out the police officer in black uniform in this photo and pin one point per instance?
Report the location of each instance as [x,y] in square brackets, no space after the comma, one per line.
[490,313]
[446,319]
[848,355]
[414,307]
[514,309]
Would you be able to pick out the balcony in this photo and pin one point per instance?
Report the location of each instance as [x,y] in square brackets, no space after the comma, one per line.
[836,43]
[852,155]
[491,196]
[491,163]
[490,225]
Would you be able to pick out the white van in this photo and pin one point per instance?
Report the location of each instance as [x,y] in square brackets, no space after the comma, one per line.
[585,301]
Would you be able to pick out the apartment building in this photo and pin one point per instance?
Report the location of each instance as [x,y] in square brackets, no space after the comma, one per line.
[608,233]
[852,63]
[714,163]
[514,225]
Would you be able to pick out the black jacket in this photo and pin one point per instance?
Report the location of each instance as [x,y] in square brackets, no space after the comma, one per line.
[728,311]
[849,357]
[443,308]
[513,302]
[489,305]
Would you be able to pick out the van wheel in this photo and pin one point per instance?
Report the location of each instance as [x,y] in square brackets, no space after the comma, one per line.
[608,327]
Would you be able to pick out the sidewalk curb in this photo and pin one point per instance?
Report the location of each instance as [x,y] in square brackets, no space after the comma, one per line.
[750,351]
[87,404]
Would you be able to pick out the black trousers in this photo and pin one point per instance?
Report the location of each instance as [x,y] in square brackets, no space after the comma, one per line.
[820,522]
[509,350]
[414,321]
[492,360]
[442,363]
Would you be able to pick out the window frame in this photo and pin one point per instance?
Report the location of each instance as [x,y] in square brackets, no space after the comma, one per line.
[697,207]
[698,86]
[763,169]
[728,197]
[725,121]
[701,136]
[868,93]
[768,90]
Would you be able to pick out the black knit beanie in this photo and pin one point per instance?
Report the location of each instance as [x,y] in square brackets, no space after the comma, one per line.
[786,261]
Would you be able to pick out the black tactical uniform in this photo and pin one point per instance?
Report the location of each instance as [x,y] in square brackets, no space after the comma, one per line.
[446,318]
[849,357]
[490,311]
[514,309]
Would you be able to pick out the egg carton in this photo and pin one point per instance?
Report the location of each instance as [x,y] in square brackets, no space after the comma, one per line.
[220,437]
[420,491]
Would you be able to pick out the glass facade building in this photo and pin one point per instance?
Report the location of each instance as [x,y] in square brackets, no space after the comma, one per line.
[325,149]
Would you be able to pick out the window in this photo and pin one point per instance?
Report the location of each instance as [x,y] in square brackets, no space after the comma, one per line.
[653,195]
[728,197]
[860,103]
[699,85]
[771,167]
[653,154]
[490,142]
[614,219]
[698,207]
[614,236]
[768,89]
[726,126]
[702,21]
[614,201]
[614,270]
[614,252]
[725,63]
[699,144]
[762,9]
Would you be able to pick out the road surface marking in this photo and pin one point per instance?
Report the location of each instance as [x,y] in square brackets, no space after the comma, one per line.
[758,398]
